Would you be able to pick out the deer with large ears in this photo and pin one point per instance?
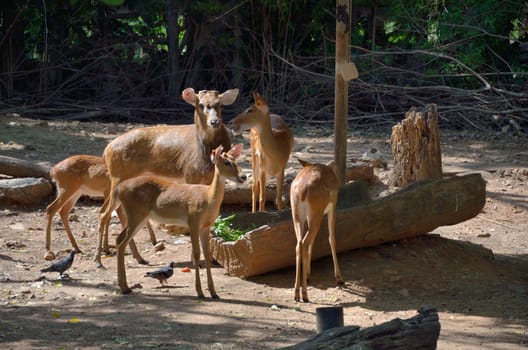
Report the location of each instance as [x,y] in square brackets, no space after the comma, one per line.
[271,143]
[76,176]
[313,193]
[179,152]
[165,201]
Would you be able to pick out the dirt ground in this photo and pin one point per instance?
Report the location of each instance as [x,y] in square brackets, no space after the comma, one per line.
[475,273]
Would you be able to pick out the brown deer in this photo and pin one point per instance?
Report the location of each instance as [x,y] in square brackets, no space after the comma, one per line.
[313,193]
[271,145]
[180,152]
[76,176]
[165,201]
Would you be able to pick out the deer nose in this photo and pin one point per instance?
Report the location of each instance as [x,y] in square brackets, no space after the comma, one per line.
[215,123]
[243,178]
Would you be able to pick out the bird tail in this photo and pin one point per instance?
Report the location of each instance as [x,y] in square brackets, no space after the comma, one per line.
[47,269]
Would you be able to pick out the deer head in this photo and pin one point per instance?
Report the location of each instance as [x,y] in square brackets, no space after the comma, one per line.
[208,105]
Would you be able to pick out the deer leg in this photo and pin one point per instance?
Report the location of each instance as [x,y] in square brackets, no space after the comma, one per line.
[52,209]
[331,239]
[132,244]
[121,243]
[305,266]
[255,171]
[254,194]
[204,238]
[280,180]
[135,253]
[262,190]
[195,243]
[125,237]
[64,214]
[298,260]
[313,228]
[151,233]
[104,221]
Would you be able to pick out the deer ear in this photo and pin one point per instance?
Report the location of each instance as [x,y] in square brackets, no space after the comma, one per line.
[228,97]
[216,153]
[236,150]
[259,100]
[190,96]
[304,163]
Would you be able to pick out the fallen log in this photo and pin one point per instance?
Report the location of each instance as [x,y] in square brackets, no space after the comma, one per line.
[418,332]
[235,194]
[22,168]
[415,210]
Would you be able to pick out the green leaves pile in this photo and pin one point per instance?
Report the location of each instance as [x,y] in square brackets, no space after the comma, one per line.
[223,227]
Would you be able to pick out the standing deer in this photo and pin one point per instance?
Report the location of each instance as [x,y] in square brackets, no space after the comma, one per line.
[76,176]
[180,152]
[271,144]
[313,193]
[165,201]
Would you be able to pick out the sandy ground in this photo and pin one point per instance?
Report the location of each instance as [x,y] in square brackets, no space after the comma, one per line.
[475,273]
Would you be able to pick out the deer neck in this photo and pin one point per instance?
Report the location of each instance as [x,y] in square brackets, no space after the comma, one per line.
[216,189]
[266,132]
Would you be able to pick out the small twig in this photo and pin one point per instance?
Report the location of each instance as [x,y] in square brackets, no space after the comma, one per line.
[500,223]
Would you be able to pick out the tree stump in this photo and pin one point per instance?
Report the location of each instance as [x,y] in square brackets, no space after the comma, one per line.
[415,146]
[418,332]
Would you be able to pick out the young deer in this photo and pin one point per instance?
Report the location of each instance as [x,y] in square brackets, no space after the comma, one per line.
[313,193]
[165,201]
[271,144]
[76,176]
[179,152]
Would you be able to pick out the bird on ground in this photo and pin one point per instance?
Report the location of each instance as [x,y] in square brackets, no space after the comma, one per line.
[62,265]
[163,274]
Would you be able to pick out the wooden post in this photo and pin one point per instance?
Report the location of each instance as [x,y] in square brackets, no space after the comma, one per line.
[415,144]
[344,71]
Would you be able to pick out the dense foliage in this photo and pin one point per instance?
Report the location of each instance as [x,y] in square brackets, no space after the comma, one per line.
[118,59]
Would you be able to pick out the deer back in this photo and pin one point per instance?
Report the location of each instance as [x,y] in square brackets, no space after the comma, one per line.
[179,151]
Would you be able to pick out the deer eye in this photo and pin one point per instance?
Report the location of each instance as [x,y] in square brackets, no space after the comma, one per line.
[227,163]
[201,105]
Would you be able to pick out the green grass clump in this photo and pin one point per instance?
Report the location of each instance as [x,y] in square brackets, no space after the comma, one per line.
[223,227]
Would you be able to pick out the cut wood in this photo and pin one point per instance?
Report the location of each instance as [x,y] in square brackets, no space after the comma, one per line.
[415,210]
[415,144]
[22,168]
[418,332]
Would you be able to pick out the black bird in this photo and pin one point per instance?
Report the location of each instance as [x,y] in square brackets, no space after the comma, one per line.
[62,265]
[163,274]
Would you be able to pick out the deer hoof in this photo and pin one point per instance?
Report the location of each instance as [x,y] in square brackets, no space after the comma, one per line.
[49,255]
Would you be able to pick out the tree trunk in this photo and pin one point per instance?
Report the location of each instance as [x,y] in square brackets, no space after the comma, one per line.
[418,332]
[173,63]
[415,210]
[415,146]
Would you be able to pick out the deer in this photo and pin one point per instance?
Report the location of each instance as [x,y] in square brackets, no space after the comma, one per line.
[271,142]
[179,152]
[313,193]
[163,200]
[76,176]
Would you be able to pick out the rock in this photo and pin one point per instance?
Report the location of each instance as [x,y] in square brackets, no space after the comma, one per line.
[28,190]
